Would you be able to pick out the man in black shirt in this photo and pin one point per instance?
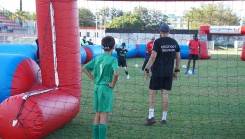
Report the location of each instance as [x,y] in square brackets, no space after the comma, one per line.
[121,53]
[161,62]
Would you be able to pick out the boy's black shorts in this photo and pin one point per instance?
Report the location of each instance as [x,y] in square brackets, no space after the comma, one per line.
[161,82]
[122,63]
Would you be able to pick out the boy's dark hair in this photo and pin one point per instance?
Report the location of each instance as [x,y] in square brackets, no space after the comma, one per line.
[124,44]
[108,43]
[195,36]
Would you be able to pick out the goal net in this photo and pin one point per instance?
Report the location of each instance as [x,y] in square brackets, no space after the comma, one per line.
[208,103]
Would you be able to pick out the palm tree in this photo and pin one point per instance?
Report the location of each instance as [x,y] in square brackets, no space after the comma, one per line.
[21,15]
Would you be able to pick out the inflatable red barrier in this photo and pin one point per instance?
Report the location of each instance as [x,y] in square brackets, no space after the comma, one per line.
[243,52]
[45,108]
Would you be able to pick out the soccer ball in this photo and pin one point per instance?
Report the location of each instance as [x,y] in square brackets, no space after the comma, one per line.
[136,65]
[190,72]
[184,66]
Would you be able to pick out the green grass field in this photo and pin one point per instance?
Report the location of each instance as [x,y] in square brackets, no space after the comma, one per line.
[207,105]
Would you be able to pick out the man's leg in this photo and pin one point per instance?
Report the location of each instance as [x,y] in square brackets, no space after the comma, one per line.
[152,99]
[164,105]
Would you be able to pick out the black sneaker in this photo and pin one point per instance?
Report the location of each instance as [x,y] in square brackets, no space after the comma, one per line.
[149,121]
[162,122]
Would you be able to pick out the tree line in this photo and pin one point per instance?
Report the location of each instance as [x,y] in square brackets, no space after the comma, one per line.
[141,17]
[215,14]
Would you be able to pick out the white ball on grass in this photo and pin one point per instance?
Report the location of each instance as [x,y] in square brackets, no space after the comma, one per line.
[136,65]
[184,66]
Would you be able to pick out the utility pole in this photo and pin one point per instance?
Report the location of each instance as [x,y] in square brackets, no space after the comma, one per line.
[21,5]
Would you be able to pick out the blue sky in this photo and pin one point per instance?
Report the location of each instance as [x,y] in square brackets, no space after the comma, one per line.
[166,7]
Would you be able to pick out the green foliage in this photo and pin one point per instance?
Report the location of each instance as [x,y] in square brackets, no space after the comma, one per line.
[156,19]
[150,18]
[211,14]
[24,15]
[126,21]
[140,17]
[143,13]
[243,21]
[106,15]
[86,17]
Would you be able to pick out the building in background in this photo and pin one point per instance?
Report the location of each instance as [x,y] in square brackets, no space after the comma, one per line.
[177,22]
[94,33]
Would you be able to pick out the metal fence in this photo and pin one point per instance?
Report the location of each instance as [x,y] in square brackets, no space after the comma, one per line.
[7,38]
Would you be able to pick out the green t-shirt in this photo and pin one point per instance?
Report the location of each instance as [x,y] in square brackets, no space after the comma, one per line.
[84,42]
[103,67]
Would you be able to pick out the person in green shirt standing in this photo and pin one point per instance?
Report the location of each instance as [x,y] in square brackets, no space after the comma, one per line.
[105,76]
[84,41]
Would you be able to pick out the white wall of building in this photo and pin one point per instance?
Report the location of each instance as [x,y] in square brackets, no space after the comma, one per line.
[94,33]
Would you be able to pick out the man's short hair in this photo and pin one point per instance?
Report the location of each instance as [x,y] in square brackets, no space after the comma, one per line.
[108,43]
[164,28]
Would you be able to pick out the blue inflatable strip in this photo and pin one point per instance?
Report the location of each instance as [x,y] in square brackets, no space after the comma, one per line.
[141,50]
[184,51]
[132,51]
[28,50]
[96,50]
[83,54]
[8,65]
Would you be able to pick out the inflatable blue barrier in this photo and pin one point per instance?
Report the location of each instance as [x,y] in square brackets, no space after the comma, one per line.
[83,54]
[141,50]
[96,50]
[132,51]
[9,63]
[184,51]
[28,50]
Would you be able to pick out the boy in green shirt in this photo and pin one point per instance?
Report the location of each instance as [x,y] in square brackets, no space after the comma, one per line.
[105,68]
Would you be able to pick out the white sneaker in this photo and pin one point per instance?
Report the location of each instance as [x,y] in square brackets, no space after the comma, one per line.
[128,77]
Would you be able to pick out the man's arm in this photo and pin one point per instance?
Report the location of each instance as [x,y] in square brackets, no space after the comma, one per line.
[150,63]
[177,64]
[151,60]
